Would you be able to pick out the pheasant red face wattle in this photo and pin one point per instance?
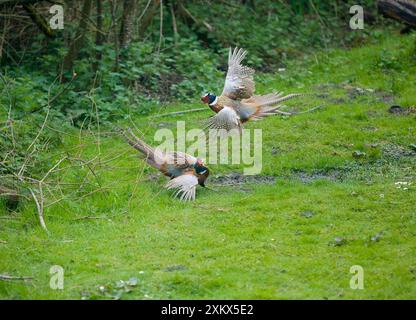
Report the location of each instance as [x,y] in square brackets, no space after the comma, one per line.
[205,99]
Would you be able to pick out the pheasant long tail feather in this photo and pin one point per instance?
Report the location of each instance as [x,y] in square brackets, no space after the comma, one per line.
[291,96]
[263,112]
[137,143]
[272,99]
[269,104]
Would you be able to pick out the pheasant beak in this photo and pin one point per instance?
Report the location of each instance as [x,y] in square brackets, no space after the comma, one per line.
[205,99]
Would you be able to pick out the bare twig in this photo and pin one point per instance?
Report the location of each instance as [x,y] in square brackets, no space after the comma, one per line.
[179,112]
[160,27]
[52,169]
[89,218]
[174,24]
[7,277]
[39,205]
[144,10]
[307,111]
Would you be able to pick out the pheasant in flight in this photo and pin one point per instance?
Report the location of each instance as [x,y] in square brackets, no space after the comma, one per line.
[237,103]
[185,171]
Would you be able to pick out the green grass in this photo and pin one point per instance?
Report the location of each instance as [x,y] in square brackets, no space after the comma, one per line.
[251,241]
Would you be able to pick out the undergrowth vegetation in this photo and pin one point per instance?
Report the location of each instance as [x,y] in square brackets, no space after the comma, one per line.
[161,67]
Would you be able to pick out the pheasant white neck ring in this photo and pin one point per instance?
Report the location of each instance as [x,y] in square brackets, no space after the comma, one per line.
[214,102]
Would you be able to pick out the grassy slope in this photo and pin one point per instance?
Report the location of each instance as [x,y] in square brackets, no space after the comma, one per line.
[250,242]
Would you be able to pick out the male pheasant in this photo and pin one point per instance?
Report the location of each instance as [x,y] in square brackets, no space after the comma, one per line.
[237,103]
[185,171]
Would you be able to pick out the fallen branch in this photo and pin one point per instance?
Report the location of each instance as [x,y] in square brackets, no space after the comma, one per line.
[8,218]
[89,218]
[283,113]
[178,112]
[21,2]
[302,112]
[403,11]
[7,277]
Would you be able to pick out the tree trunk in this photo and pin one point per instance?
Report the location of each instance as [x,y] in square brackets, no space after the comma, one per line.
[3,35]
[78,42]
[40,21]
[401,10]
[127,23]
[174,25]
[113,8]
[148,17]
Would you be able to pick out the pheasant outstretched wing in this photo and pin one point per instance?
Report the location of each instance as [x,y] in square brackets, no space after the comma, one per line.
[185,186]
[227,119]
[239,83]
